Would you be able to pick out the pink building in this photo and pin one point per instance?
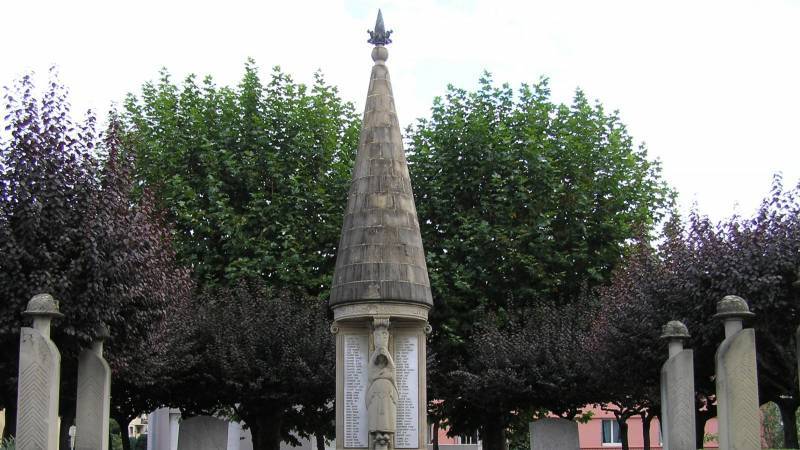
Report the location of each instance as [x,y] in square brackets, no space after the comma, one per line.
[601,432]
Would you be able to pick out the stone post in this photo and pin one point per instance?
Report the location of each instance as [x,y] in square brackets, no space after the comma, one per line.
[39,374]
[174,427]
[94,397]
[737,383]
[554,434]
[677,391]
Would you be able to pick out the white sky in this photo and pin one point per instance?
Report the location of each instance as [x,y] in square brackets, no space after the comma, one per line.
[712,87]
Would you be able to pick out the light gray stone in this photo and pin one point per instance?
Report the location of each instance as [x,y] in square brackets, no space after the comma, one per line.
[162,429]
[94,397]
[39,374]
[738,414]
[554,434]
[203,433]
[677,391]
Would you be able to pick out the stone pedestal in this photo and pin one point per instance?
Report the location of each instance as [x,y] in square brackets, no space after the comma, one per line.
[677,391]
[39,374]
[737,383]
[94,397]
[203,433]
[554,434]
[355,344]
[163,426]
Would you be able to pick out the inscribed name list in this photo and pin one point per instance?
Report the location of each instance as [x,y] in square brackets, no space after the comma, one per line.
[406,348]
[356,349]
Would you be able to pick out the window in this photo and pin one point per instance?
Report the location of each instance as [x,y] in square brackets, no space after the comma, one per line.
[611,432]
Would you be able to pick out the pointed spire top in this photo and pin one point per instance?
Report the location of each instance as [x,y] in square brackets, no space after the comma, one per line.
[380,36]
[380,258]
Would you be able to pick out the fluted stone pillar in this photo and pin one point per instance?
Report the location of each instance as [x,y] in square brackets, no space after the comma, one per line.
[39,375]
[94,397]
[677,391]
[737,382]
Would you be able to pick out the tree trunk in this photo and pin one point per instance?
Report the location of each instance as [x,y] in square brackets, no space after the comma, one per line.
[435,437]
[266,431]
[623,432]
[647,419]
[11,420]
[123,432]
[788,410]
[320,441]
[64,438]
[494,435]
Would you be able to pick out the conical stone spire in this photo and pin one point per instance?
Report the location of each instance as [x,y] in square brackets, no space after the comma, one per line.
[380,256]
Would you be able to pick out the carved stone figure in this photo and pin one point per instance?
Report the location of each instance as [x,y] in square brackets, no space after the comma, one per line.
[382,392]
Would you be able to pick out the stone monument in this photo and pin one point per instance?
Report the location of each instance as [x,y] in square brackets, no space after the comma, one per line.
[163,426]
[380,295]
[737,383]
[203,433]
[554,434]
[39,374]
[93,406]
[677,391]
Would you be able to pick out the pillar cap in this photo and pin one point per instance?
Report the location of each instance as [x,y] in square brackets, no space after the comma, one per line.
[675,329]
[42,305]
[732,306]
[102,332]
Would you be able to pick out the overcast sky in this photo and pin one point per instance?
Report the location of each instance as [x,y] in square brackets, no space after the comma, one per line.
[712,87]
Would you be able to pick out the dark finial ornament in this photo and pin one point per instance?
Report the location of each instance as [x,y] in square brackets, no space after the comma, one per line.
[380,36]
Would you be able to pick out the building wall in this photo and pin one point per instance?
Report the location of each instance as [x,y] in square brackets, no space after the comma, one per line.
[590,434]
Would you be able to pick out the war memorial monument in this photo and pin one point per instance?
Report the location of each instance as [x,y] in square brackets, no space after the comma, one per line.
[381,294]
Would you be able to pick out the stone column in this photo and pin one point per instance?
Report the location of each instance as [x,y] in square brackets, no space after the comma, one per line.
[677,391]
[174,428]
[39,374]
[737,383]
[94,397]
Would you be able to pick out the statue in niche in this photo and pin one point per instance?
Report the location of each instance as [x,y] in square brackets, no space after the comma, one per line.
[382,392]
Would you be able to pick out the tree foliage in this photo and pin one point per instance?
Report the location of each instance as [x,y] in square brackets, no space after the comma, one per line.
[522,202]
[698,263]
[276,367]
[69,227]
[255,178]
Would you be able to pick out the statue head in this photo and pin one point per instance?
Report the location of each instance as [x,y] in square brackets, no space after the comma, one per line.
[381,333]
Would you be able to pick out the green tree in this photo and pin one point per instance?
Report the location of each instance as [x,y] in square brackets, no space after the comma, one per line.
[255,178]
[521,201]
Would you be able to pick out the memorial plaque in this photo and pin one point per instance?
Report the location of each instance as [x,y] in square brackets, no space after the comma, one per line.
[356,350]
[406,349]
